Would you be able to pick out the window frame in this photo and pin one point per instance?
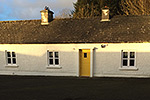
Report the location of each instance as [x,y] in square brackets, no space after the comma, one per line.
[11,57]
[54,58]
[128,60]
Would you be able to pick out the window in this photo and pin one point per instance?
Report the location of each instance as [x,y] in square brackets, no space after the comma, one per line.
[53,58]
[10,58]
[128,59]
[85,55]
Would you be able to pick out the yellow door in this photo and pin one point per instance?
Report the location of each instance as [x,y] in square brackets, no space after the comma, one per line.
[84,62]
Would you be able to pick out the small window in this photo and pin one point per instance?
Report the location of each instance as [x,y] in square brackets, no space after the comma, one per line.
[132,54]
[128,59]
[13,54]
[9,61]
[125,54]
[10,58]
[51,54]
[132,63]
[56,61]
[53,58]
[56,54]
[51,61]
[125,62]
[8,54]
[85,55]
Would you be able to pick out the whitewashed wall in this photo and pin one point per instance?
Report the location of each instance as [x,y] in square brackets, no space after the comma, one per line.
[108,60]
[32,59]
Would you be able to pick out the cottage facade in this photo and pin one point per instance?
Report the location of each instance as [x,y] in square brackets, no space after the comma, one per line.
[33,59]
[76,47]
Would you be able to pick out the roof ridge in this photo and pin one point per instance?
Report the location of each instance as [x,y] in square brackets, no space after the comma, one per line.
[40,19]
[19,21]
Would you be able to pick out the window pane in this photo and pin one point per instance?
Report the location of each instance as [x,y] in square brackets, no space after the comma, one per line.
[56,54]
[50,54]
[125,62]
[125,54]
[14,60]
[9,61]
[85,55]
[13,54]
[8,54]
[132,54]
[56,61]
[131,62]
[51,61]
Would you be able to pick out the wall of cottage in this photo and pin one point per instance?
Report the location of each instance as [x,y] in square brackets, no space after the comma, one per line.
[32,59]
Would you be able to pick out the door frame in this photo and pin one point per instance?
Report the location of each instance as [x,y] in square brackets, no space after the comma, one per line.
[91,61]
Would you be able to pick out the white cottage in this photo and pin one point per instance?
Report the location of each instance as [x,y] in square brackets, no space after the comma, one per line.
[76,47]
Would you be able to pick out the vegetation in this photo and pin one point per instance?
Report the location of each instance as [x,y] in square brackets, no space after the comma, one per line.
[92,8]
[135,7]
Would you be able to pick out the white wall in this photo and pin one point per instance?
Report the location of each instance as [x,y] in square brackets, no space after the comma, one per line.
[32,59]
[108,60]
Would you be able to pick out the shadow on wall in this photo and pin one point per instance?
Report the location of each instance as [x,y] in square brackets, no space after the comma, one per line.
[38,62]
[103,63]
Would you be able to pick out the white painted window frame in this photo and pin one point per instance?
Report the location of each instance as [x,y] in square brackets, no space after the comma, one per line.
[128,67]
[6,57]
[51,66]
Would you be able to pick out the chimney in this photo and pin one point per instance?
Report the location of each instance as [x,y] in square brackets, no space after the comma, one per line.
[105,14]
[46,16]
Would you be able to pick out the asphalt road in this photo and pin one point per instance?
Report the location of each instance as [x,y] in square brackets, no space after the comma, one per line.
[72,88]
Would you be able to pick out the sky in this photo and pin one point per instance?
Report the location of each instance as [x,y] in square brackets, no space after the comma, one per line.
[30,9]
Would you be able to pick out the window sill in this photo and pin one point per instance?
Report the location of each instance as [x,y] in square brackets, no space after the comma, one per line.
[129,69]
[53,67]
[11,66]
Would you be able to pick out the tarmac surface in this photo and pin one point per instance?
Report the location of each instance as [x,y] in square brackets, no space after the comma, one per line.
[73,88]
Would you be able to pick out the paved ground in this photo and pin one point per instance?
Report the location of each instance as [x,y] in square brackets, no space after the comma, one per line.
[72,88]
